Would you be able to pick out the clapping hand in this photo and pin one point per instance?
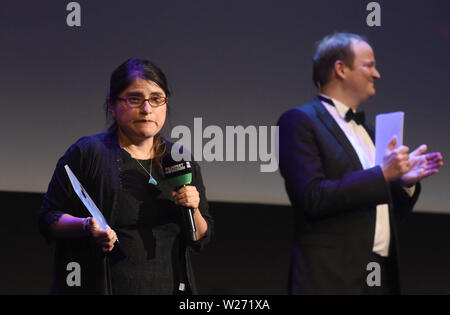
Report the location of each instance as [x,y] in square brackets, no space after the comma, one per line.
[421,165]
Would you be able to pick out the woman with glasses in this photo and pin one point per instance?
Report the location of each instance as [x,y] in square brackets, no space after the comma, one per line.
[122,171]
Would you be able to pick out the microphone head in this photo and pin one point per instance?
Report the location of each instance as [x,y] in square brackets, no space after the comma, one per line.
[177,174]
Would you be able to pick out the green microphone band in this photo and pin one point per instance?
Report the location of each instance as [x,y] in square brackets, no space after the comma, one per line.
[181,180]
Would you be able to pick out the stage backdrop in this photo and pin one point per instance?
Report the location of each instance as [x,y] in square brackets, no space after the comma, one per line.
[230,63]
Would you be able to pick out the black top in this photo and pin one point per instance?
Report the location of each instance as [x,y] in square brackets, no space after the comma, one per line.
[147,225]
[150,227]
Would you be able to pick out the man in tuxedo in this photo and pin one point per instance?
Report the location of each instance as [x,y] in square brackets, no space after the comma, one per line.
[345,206]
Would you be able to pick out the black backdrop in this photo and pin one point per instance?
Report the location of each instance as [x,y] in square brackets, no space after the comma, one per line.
[249,253]
[229,62]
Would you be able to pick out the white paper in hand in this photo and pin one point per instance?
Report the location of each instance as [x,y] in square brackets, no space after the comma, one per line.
[87,201]
[386,127]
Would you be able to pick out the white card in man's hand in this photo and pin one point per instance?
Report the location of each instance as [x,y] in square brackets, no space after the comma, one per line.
[386,127]
[87,201]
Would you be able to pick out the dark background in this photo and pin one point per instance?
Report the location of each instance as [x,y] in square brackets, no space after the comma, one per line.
[248,255]
[230,62]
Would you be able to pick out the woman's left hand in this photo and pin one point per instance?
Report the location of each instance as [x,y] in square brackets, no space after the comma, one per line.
[187,196]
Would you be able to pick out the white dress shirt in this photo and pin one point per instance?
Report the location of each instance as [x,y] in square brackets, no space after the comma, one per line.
[365,149]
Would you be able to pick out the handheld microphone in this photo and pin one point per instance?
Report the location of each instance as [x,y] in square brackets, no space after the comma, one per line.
[178,175]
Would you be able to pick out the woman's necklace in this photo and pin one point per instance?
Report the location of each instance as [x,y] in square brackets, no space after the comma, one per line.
[151,180]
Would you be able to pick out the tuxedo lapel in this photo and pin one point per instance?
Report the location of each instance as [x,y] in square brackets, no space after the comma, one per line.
[334,128]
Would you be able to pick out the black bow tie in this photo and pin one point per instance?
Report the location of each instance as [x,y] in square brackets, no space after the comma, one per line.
[359,117]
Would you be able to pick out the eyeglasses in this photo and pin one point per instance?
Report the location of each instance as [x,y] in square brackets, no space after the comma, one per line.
[137,101]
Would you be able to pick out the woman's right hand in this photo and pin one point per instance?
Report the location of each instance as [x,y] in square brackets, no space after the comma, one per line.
[104,239]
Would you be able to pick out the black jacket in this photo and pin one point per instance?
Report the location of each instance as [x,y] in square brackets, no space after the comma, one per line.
[334,202]
[94,160]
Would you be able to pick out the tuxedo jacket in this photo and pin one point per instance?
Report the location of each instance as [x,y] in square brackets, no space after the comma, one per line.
[334,201]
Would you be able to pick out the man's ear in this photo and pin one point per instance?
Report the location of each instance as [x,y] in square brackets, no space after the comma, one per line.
[340,68]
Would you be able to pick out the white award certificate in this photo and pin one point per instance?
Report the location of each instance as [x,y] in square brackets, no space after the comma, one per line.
[87,201]
[386,127]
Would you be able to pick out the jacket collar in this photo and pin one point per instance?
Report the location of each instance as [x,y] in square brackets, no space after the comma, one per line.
[337,132]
